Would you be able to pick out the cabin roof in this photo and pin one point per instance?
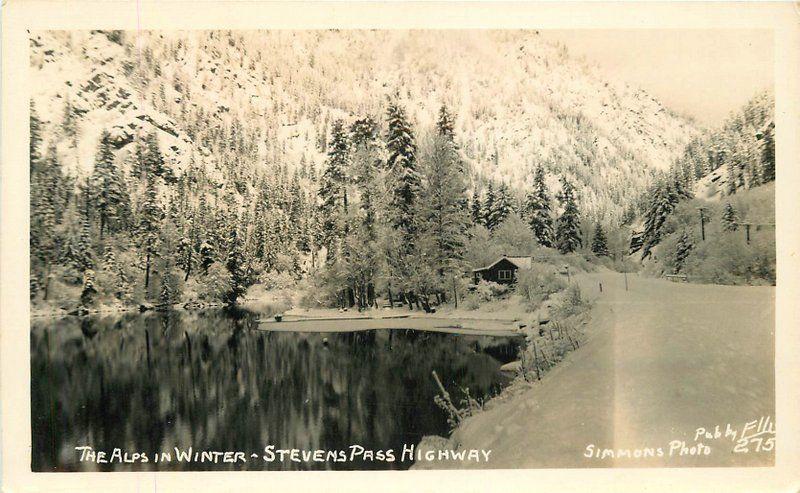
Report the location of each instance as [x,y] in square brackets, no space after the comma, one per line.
[519,261]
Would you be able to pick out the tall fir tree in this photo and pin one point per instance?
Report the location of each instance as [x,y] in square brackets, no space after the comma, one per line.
[85,252]
[442,210]
[108,193]
[445,124]
[333,188]
[151,215]
[402,167]
[663,201]
[487,206]
[500,207]
[730,218]
[568,231]
[475,207]
[768,154]
[682,250]
[236,268]
[538,211]
[599,242]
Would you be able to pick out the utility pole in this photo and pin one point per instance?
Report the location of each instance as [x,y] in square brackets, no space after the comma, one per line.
[747,232]
[626,280]
[702,223]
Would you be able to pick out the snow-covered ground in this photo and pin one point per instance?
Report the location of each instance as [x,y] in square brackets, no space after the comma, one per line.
[663,360]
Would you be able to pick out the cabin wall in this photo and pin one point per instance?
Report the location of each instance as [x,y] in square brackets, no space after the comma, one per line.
[503,272]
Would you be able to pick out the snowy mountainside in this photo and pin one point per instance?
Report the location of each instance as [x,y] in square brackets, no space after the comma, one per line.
[519,102]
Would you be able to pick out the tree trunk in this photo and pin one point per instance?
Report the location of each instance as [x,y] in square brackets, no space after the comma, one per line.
[46,282]
[147,272]
[455,293]
[391,301]
[188,270]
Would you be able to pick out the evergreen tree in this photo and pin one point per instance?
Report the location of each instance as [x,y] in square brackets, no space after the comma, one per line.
[475,208]
[730,219]
[662,203]
[444,125]
[402,166]
[207,256]
[89,291]
[488,206]
[106,185]
[149,226]
[185,256]
[768,154]
[537,210]
[682,250]
[444,216]
[366,163]
[35,142]
[84,246]
[236,268]
[568,237]
[153,159]
[500,207]
[333,187]
[111,266]
[599,242]
[731,178]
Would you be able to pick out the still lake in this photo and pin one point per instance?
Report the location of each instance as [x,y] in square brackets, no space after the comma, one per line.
[211,380]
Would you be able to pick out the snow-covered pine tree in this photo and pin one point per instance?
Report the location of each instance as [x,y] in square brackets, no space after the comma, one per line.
[150,218]
[333,187]
[84,245]
[662,203]
[89,291]
[682,250]
[106,185]
[537,210]
[499,208]
[153,159]
[366,163]
[444,218]
[445,125]
[568,231]
[185,256]
[236,268]
[599,242]
[402,168]
[475,207]
[768,154]
[730,218]
[35,142]
[110,265]
[731,177]
[207,256]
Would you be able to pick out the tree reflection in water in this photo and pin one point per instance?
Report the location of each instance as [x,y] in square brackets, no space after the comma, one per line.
[211,380]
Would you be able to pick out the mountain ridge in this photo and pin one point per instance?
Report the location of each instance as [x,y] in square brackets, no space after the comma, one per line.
[519,102]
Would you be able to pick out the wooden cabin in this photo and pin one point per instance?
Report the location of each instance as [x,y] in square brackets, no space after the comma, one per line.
[502,271]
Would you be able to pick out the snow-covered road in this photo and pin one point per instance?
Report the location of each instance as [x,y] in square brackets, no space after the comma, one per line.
[663,359]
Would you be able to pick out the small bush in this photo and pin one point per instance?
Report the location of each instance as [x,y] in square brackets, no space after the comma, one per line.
[572,303]
[471,301]
[536,284]
[487,290]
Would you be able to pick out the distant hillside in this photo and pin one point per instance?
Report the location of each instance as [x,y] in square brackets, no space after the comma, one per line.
[238,103]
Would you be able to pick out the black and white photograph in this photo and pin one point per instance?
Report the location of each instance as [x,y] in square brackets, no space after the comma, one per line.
[401,249]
